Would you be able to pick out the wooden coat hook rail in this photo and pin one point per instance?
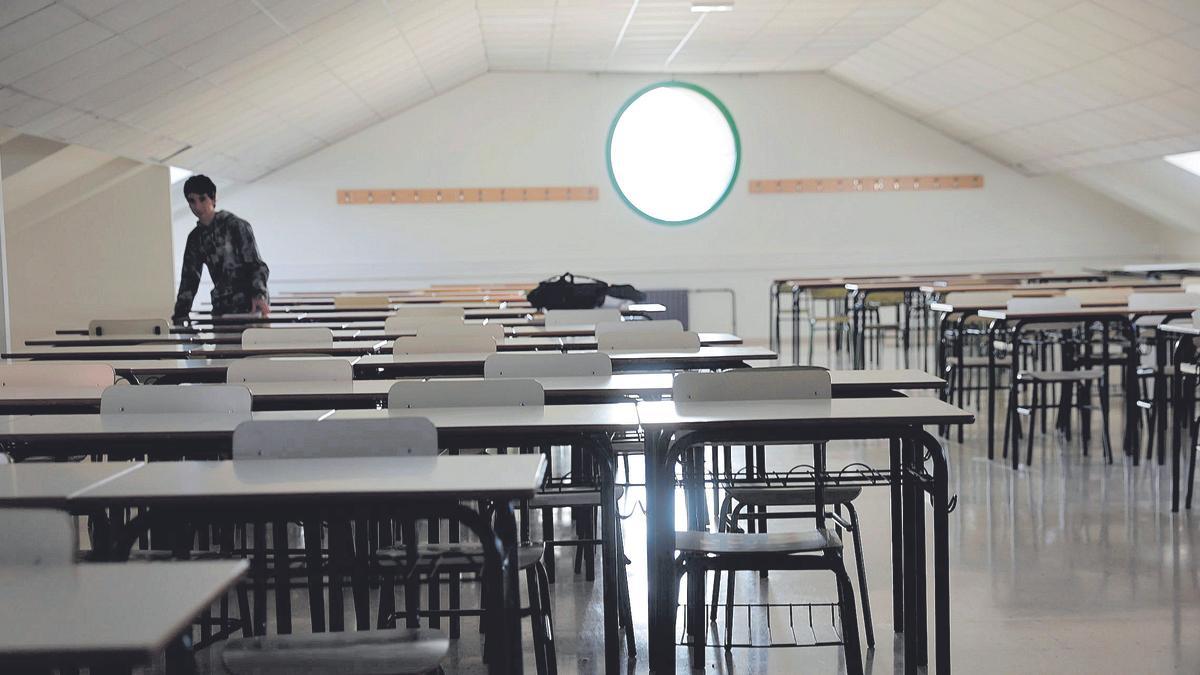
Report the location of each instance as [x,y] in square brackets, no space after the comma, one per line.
[466,195]
[866,184]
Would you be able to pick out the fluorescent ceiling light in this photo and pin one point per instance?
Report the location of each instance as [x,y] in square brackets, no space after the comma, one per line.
[178,174]
[1188,161]
[712,5]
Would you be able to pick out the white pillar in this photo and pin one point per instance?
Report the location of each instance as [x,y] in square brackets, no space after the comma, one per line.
[4,322]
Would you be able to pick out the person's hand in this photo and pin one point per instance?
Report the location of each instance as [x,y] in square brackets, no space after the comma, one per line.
[261,306]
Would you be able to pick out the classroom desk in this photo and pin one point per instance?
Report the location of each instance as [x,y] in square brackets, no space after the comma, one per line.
[1121,317]
[236,328]
[302,313]
[673,428]
[336,491]
[412,365]
[373,393]
[860,294]
[158,435]
[72,616]
[586,426]
[50,484]
[378,316]
[346,348]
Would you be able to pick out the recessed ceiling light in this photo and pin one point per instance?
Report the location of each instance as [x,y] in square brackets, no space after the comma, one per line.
[1188,161]
[712,5]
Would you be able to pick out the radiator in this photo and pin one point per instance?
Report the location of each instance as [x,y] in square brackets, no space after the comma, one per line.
[674,299]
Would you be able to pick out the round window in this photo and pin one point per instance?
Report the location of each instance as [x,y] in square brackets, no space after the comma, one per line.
[673,153]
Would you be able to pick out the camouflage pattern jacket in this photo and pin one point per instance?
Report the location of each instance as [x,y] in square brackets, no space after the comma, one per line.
[238,274]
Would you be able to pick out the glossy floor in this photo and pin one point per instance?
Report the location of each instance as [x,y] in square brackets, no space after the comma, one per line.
[1070,565]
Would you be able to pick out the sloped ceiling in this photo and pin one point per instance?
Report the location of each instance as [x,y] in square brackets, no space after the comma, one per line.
[237,88]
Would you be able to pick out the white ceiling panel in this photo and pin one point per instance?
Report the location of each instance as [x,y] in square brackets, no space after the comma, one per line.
[252,84]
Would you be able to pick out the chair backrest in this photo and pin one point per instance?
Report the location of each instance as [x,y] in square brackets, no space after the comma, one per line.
[1054,303]
[42,537]
[175,398]
[304,439]
[1114,296]
[659,326]
[465,393]
[638,341]
[1142,301]
[430,309]
[45,374]
[361,302]
[310,337]
[753,384]
[444,344]
[580,317]
[289,370]
[98,327]
[546,364]
[454,327]
[977,298]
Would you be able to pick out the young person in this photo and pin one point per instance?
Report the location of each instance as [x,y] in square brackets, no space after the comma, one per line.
[225,243]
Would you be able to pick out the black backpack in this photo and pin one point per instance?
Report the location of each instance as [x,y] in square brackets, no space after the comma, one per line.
[563,292]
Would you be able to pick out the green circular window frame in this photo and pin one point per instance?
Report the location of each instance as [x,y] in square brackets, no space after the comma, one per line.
[737,150]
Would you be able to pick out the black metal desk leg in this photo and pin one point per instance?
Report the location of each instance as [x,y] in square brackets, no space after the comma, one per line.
[941,553]
[897,536]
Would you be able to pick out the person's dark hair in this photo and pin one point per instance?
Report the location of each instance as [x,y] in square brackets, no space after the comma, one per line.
[200,185]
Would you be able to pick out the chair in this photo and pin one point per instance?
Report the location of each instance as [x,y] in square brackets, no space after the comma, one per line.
[639,341]
[556,318]
[1071,377]
[405,394]
[515,365]
[315,337]
[550,364]
[430,310]
[701,551]
[409,319]
[458,557]
[452,344]
[165,398]
[289,370]
[770,384]
[1140,302]
[128,327]
[958,367]
[454,327]
[659,326]
[37,537]
[43,374]
[394,651]
[361,302]
[1105,295]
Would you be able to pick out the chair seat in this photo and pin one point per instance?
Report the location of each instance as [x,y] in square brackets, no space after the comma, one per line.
[739,543]
[1061,375]
[373,652]
[761,494]
[1168,371]
[979,361]
[458,556]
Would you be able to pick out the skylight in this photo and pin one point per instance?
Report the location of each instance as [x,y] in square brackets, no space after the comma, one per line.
[178,174]
[1188,161]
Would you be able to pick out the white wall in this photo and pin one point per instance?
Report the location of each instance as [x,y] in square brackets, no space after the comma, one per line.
[79,253]
[550,129]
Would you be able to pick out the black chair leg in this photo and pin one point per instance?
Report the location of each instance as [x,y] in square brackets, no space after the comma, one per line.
[862,575]
[537,621]
[854,659]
